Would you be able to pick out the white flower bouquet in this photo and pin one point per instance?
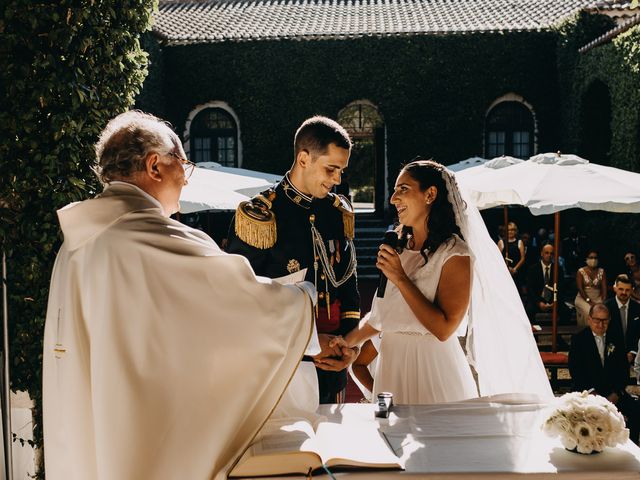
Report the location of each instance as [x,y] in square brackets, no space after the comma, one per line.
[586,423]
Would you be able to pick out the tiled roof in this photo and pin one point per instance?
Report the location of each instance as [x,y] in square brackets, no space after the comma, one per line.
[611,34]
[611,5]
[208,21]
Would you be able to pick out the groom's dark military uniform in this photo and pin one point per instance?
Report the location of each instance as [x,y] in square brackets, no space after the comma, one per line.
[282,231]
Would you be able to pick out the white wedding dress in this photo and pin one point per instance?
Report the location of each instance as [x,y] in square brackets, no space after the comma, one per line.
[413,364]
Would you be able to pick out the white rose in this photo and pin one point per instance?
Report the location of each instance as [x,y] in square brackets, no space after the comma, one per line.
[568,441]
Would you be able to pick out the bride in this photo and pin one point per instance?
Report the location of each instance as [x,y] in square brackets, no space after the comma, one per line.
[446,267]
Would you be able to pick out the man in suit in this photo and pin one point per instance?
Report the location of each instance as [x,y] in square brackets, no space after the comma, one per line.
[625,317]
[596,363]
[540,286]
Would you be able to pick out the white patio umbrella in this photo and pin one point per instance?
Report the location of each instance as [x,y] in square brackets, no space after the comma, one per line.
[492,197]
[214,187]
[550,183]
[467,163]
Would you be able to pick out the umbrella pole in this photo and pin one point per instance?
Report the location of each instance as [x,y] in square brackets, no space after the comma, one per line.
[505,240]
[4,381]
[556,254]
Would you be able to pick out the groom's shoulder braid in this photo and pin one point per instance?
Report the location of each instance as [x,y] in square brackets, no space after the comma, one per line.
[255,221]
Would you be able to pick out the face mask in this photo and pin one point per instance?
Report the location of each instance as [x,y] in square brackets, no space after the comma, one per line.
[592,262]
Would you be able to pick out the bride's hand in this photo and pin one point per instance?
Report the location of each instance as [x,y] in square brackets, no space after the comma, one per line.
[389,262]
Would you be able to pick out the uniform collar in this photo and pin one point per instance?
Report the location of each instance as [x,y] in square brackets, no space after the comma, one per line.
[295,195]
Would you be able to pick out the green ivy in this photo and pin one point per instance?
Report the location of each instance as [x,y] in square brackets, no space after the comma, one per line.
[432,91]
[66,68]
[617,65]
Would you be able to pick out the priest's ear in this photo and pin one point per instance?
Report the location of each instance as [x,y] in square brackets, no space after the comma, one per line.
[151,164]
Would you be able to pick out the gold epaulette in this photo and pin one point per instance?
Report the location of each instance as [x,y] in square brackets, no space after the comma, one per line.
[343,204]
[255,221]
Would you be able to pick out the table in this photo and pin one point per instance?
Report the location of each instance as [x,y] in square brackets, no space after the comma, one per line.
[493,437]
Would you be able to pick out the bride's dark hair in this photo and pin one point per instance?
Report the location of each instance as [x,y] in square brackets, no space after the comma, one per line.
[441,222]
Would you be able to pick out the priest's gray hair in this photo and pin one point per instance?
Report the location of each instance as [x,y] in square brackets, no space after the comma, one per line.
[126,141]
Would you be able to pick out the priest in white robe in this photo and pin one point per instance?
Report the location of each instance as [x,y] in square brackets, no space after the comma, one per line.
[163,355]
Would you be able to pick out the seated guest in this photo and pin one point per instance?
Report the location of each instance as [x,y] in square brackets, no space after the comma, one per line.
[633,270]
[631,263]
[513,252]
[540,286]
[596,363]
[625,317]
[591,283]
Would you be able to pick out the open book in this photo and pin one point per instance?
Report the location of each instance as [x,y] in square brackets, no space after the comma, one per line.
[290,445]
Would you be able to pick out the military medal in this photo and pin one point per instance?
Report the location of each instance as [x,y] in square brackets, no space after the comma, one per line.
[293,266]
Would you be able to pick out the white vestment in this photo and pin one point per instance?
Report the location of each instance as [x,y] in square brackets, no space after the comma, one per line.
[163,355]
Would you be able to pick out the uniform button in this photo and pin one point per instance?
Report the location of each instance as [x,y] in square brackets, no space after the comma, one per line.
[322,277]
[321,295]
[312,218]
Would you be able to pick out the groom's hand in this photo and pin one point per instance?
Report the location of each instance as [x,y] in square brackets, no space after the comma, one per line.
[327,347]
[349,355]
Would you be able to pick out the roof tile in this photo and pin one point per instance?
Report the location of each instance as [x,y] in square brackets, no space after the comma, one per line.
[210,21]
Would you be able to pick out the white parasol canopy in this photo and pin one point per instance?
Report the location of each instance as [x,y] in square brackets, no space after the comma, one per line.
[214,187]
[467,163]
[549,183]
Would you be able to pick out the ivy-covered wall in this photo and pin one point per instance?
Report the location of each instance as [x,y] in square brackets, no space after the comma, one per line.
[66,68]
[433,91]
[617,65]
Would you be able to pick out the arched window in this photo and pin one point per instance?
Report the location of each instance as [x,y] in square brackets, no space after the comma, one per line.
[360,119]
[595,119]
[214,138]
[365,178]
[509,130]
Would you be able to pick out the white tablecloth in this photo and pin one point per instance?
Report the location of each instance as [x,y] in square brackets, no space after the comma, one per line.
[490,438]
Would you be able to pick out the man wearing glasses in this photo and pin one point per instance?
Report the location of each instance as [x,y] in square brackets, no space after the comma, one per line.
[157,344]
[597,363]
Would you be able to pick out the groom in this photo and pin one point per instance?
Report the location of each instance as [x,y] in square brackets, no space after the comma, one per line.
[299,224]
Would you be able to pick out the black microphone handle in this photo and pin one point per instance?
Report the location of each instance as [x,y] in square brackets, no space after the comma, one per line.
[382,285]
[391,239]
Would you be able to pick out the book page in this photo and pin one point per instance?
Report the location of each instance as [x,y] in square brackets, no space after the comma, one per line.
[292,278]
[284,435]
[360,445]
[283,446]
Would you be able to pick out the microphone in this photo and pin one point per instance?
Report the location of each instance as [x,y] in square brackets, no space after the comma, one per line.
[391,239]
